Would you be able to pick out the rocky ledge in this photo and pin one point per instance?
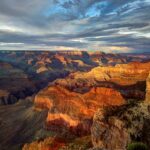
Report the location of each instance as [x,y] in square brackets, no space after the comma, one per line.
[72,109]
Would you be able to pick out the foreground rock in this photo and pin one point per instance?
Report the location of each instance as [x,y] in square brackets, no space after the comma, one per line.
[109,134]
[120,126]
[79,143]
[46,144]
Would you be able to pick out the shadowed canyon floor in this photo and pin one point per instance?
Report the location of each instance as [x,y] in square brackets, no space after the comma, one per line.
[73,100]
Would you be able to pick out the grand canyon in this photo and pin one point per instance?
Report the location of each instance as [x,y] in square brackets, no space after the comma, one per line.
[73,100]
[74,74]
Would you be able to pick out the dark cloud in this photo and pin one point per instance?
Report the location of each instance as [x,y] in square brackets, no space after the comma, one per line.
[49,40]
[76,23]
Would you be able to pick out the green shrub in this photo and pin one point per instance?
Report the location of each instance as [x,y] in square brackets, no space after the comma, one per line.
[137,146]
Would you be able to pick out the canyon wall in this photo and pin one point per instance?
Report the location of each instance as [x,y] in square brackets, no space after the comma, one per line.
[148,89]
[114,128]
[68,107]
[14,84]
[128,79]
[73,109]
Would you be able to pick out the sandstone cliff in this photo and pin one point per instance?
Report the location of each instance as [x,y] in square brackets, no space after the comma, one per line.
[72,109]
[73,101]
[122,125]
[123,74]
[129,79]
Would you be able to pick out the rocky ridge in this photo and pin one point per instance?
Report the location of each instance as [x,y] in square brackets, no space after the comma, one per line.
[129,79]
[73,109]
[122,125]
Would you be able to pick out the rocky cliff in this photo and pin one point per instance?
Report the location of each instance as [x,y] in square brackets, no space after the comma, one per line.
[72,109]
[109,133]
[14,84]
[122,125]
[109,92]
[44,61]
[129,79]
[123,74]
[40,68]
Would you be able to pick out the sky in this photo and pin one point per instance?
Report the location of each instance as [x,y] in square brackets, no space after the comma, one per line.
[96,25]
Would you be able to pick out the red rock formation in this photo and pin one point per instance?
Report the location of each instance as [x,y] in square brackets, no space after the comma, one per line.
[124,74]
[70,108]
[41,69]
[46,144]
[120,126]
[61,58]
[129,79]
[70,53]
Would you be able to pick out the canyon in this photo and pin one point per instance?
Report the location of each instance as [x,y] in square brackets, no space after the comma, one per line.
[73,100]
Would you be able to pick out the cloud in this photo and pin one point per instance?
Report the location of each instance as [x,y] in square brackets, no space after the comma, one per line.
[75,24]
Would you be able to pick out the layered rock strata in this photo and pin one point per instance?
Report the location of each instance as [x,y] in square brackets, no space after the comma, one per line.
[73,109]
